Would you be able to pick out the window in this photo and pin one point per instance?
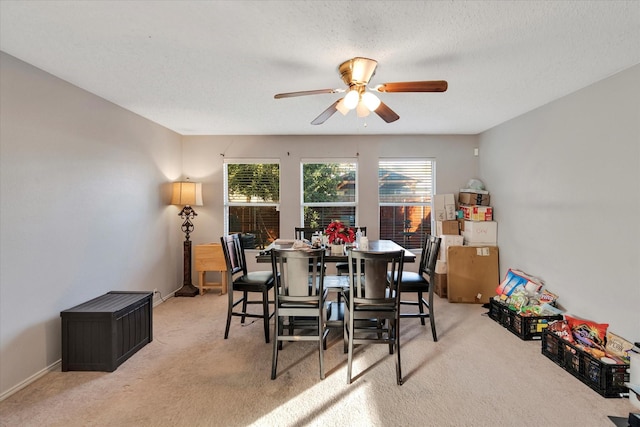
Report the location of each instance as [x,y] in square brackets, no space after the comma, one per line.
[252,196]
[328,193]
[405,189]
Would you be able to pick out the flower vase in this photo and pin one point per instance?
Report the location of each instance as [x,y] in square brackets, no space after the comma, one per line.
[337,249]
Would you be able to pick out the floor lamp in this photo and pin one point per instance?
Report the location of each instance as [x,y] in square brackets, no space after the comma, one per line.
[186,194]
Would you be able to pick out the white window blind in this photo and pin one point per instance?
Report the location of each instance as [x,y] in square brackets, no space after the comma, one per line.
[405,191]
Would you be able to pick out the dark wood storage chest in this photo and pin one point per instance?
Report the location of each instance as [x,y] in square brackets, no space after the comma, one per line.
[99,335]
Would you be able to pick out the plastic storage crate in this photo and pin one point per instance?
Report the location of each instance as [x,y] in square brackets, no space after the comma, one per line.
[526,327]
[608,380]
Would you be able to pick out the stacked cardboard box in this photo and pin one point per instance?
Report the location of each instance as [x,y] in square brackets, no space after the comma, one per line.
[449,233]
[478,227]
[472,270]
[444,207]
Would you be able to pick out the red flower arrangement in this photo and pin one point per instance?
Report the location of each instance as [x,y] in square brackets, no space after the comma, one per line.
[337,233]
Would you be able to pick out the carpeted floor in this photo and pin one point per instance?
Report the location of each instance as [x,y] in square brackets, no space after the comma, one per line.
[477,374]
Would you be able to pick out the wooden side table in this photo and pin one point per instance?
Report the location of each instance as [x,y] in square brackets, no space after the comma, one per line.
[209,257]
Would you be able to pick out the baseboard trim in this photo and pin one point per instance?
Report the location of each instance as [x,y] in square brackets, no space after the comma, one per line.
[53,367]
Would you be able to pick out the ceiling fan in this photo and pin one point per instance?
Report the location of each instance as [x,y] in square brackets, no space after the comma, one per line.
[356,73]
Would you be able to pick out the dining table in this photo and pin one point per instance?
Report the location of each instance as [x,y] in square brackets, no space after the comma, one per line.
[264,256]
[335,308]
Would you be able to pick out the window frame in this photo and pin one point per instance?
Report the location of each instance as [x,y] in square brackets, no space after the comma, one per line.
[329,160]
[225,181]
[428,204]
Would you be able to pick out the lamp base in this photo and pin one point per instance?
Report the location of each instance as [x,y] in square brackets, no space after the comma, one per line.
[187,290]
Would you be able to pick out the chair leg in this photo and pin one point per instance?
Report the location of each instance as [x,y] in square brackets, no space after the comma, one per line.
[274,361]
[432,318]
[265,313]
[244,306]
[421,307]
[321,345]
[345,333]
[229,311]
[397,343]
[350,352]
[390,335]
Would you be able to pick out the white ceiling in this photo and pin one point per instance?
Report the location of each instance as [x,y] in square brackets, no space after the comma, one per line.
[212,67]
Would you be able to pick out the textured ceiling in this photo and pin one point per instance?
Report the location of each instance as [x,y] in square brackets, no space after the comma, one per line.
[212,67]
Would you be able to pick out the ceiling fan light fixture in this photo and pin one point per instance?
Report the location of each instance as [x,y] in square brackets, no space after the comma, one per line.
[341,107]
[362,110]
[371,101]
[363,69]
[351,99]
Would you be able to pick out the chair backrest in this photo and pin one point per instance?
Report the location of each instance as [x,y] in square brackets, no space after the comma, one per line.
[234,254]
[302,233]
[299,273]
[374,277]
[429,255]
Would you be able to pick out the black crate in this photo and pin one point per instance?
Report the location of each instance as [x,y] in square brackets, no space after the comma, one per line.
[526,327]
[498,312]
[607,380]
[552,348]
[531,327]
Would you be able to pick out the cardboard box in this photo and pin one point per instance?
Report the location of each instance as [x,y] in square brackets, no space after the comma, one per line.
[480,232]
[473,274]
[444,206]
[440,285]
[441,267]
[473,198]
[446,241]
[447,227]
[477,213]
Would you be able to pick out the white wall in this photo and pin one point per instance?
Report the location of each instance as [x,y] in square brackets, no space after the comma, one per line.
[83,187]
[204,158]
[565,184]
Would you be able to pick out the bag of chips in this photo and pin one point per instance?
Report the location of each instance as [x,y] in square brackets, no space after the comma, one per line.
[561,329]
[618,346]
[588,333]
[514,280]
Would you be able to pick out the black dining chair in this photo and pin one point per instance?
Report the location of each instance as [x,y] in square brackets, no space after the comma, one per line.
[246,282]
[372,304]
[300,300]
[422,283]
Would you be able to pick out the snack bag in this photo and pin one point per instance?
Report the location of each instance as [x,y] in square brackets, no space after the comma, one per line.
[588,333]
[515,279]
[561,329]
[618,346]
[546,297]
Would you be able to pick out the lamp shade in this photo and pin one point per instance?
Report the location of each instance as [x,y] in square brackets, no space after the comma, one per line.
[187,193]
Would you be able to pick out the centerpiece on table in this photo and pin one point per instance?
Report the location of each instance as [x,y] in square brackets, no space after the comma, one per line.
[338,235]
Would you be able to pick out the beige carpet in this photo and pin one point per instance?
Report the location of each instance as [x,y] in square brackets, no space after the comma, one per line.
[477,374]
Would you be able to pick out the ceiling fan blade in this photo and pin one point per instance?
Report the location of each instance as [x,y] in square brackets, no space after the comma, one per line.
[325,114]
[306,92]
[386,113]
[425,86]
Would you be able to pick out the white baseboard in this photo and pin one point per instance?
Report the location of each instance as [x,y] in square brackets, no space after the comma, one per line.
[56,365]
[53,367]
